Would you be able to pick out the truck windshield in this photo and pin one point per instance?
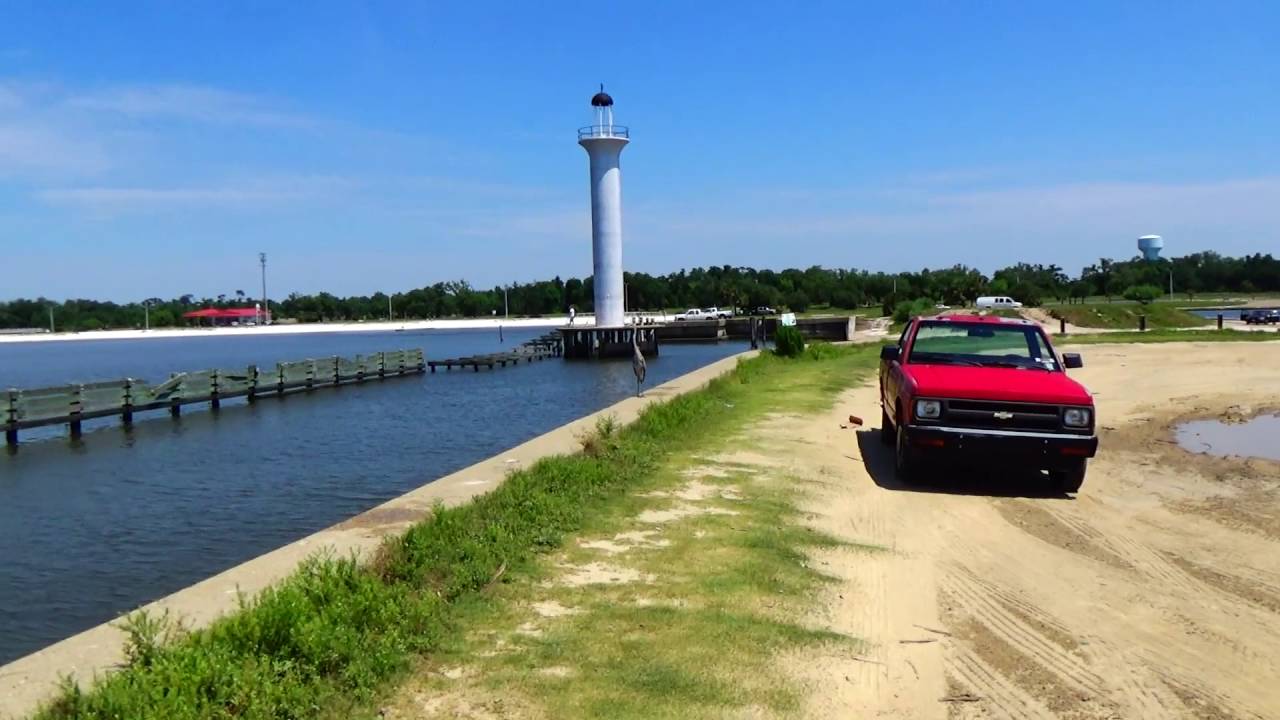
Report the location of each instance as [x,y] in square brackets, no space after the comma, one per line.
[984,344]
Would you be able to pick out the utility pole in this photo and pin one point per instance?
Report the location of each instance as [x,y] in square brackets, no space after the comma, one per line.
[390,315]
[1171,284]
[146,314]
[51,319]
[266,309]
[506,309]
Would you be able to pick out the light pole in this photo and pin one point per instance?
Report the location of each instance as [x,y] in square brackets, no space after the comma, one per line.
[266,309]
[506,309]
[51,319]
[390,315]
[1170,284]
[146,315]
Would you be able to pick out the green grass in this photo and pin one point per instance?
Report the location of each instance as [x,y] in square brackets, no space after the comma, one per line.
[1212,299]
[1123,316]
[828,310]
[332,638]
[703,637]
[1166,336]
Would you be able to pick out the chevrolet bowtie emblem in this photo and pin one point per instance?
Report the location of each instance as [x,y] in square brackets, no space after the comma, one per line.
[1002,415]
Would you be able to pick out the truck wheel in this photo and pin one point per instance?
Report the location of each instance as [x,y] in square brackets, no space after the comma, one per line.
[886,428]
[1069,479]
[906,464]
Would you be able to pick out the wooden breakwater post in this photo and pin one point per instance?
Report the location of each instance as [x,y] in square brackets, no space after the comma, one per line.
[73,404]
[11,419]
[76,414]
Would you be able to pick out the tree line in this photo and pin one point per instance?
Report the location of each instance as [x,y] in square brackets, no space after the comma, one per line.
[729,286]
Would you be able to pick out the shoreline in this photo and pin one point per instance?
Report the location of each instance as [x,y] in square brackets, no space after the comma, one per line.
[34,678]
[303,329]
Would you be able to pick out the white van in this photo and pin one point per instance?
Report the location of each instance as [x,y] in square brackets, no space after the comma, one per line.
[996,302]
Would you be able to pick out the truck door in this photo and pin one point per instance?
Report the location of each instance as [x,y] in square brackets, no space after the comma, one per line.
[891,374]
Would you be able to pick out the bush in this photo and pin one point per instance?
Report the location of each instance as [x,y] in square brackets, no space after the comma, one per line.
[1142,293]
[908,309]
[788,342]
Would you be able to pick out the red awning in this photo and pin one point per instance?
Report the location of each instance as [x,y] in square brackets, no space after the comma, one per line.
[222,313]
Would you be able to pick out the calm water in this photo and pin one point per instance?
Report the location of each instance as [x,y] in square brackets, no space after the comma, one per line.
[94,528]
[1255,437]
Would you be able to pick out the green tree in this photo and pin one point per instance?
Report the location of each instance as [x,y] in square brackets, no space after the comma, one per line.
[798,301]
[1143,294]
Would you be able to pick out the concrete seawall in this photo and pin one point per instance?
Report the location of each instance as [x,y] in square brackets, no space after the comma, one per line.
[835,329]
[30,680]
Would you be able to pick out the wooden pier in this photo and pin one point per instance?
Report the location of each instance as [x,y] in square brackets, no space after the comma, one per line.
[537,349]
[597,343]
[73,404]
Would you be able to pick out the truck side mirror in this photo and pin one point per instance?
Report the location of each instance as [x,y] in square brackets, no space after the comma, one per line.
[1072,360]
[889,352]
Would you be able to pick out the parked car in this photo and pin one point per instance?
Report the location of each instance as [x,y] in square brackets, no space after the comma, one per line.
[693,314]
[988,390]
[1260,317]
[763,310]
[996,302]
[716,312]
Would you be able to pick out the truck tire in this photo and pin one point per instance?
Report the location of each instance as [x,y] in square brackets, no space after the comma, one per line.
[906,462]
[886,429]
[1069,479]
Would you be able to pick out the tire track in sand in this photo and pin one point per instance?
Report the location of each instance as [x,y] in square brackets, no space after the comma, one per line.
[989,619]
[1141,558]
[993,689]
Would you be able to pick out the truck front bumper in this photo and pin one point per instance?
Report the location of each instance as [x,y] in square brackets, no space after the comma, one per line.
[996,445]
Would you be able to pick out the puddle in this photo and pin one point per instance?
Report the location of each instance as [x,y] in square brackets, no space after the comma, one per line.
[1256,437]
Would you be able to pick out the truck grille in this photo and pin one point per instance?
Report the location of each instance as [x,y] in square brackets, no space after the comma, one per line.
[1003,415]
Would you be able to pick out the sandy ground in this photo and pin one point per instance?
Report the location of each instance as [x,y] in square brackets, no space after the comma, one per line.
[1155,593]
[304,329]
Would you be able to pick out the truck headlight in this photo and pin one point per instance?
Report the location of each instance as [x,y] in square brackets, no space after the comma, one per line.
[928,409]
[1077,417]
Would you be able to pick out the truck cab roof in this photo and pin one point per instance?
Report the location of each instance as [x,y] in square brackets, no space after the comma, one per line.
[992,319]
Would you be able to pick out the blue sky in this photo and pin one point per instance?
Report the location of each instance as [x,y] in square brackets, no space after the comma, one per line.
[156,148]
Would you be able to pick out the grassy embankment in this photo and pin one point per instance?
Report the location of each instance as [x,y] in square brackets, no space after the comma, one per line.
[1125,316]
[1166,336]
[338,636]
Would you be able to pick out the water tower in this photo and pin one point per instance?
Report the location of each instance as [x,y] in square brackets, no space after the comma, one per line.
[1150,246]
[611,337]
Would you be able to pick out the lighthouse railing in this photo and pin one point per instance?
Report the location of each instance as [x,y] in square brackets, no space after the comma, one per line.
[603,131]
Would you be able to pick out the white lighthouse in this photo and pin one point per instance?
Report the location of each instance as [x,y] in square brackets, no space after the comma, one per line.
[604,142]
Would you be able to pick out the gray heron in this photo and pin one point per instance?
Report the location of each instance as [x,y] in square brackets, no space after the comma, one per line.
[637,358]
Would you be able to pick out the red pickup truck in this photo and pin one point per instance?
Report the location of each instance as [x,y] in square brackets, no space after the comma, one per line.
[987,389]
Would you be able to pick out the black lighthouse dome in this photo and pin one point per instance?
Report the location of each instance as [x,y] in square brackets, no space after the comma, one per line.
[601,99]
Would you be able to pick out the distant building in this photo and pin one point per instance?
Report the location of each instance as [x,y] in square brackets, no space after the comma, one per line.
[1150,246]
